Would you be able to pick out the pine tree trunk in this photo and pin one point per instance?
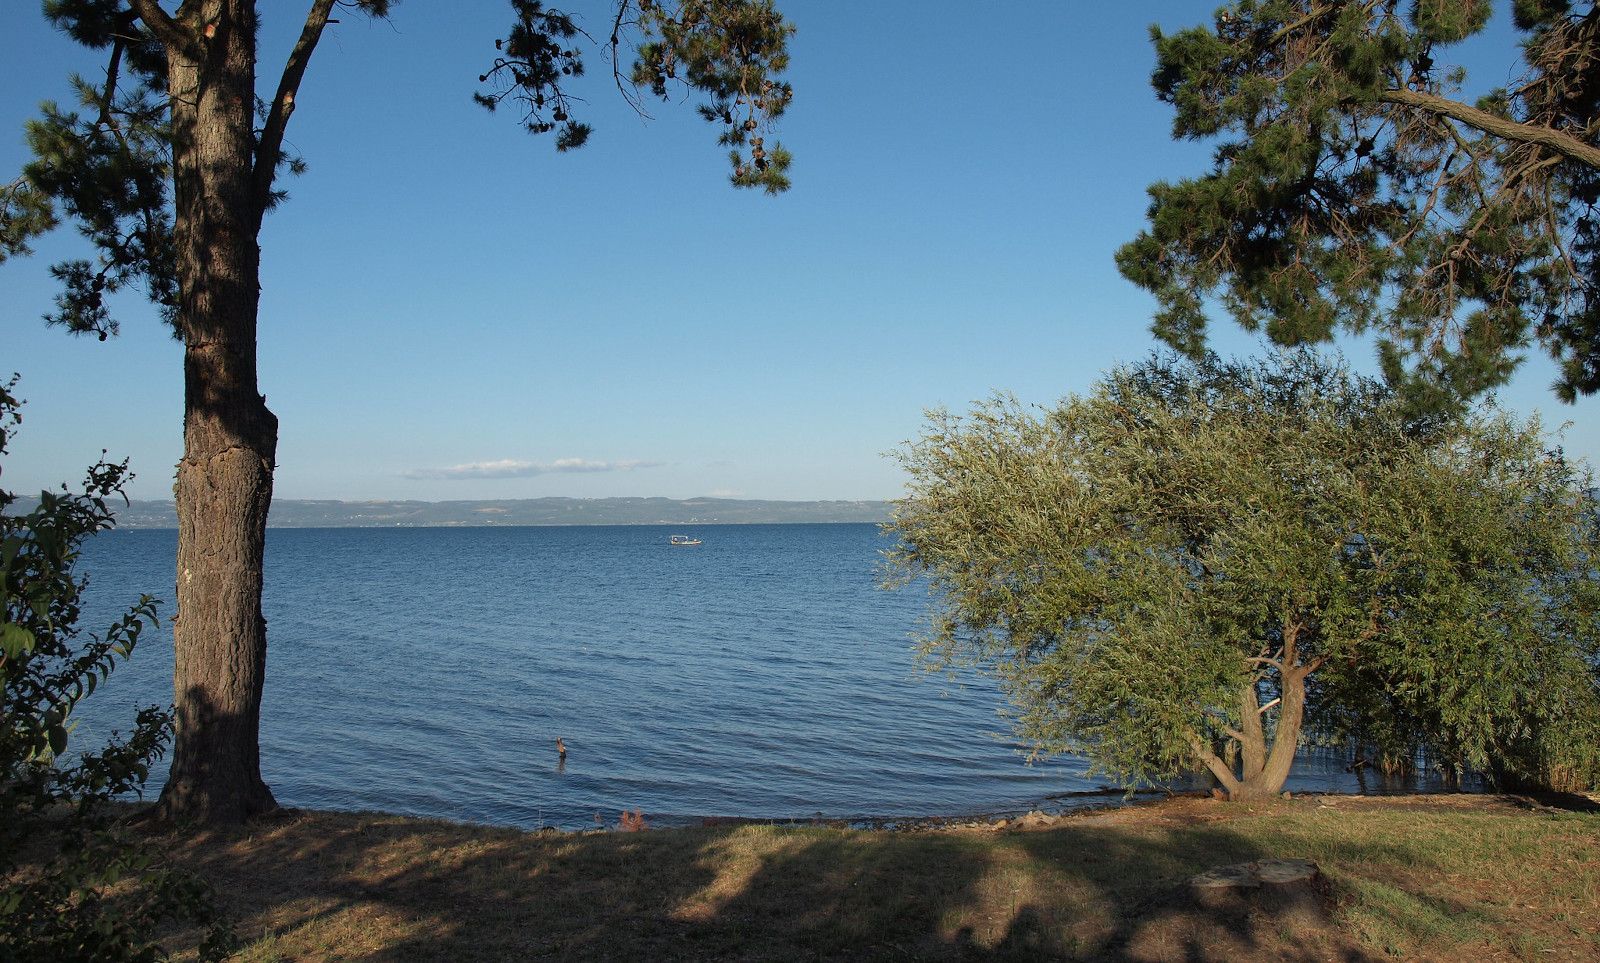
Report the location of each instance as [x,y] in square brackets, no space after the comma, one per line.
[224,485]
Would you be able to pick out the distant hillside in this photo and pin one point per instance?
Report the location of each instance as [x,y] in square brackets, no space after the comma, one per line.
[294,513]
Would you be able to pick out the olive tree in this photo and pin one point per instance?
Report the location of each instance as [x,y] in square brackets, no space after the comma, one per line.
[1199,565]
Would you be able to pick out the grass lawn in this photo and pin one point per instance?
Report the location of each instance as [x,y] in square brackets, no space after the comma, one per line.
[1443,877]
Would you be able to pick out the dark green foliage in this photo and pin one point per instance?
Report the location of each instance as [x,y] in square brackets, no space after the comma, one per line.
[1141,564]
[107,169]
[732,51]
[1350,191]
[106,165]
[77,886]
[112,26]
[535,56]
[25,214]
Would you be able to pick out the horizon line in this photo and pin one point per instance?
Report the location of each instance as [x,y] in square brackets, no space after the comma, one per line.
[536,498]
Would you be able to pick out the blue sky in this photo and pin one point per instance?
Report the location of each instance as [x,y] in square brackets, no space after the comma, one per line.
[450,309]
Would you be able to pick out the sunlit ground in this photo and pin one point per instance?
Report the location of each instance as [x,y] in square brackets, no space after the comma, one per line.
[1440,877]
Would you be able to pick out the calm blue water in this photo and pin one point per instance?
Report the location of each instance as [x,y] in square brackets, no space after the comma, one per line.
[763,674]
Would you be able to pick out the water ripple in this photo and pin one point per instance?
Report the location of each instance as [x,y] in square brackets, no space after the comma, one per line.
[429,671]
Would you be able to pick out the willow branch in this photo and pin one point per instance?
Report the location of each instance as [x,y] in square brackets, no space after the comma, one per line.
[1218,768]
[1564,144]
[294,70]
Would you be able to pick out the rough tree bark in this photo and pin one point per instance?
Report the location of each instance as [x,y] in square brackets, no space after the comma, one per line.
[223,171]
[224,485]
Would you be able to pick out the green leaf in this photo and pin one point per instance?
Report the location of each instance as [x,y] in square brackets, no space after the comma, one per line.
[58,739]
[15,640]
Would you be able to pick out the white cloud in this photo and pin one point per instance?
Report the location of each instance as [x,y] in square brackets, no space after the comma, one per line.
[511,468]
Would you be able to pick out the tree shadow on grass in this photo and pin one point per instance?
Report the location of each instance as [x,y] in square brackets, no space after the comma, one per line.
[1142,876]
[323,886]
[1554,801]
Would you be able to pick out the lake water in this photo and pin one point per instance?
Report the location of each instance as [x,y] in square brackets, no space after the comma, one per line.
[428,671]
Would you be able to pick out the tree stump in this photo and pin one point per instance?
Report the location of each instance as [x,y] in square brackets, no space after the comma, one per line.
[1273,885]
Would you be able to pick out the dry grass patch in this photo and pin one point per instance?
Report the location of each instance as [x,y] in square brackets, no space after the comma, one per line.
[1435,878]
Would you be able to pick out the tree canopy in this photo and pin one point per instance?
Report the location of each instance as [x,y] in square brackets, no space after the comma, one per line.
[1197,563]
[105,163]
[1355,188]
[167,165]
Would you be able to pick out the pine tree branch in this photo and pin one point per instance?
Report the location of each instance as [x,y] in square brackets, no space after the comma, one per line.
[270,148]
[1554,140]
[108,94]
[108,120]
[169,31]
[628,90]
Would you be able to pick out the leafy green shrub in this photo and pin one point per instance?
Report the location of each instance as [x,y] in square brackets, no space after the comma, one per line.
[1200,565]
[77,884]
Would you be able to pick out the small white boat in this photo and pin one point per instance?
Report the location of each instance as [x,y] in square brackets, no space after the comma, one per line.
[682,540]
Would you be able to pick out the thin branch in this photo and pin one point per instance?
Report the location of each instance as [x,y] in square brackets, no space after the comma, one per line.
[1558,241]
[1433,199]
[629,91]
[1526,170]
[271,146]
